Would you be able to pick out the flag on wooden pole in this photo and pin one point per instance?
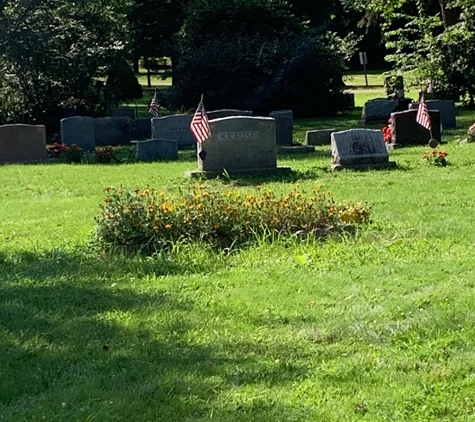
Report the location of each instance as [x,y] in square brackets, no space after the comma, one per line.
[200,125]
[423,117]
[153,108]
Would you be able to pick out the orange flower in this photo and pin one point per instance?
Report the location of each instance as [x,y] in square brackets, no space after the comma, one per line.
[168,226]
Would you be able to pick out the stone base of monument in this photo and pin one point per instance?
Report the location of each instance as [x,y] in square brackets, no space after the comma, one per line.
[248,172]
[299,149]
[389,164]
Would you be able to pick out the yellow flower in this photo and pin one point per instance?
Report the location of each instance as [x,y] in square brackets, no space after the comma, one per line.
[229,194]
[299,208]
[228,208]
[168,226]
[216,226]
[200,206]
[107,189]
[155,228]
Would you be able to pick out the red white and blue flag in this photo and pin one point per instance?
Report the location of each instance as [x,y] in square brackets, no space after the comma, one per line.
[200,125]
[153,108]
[423,117]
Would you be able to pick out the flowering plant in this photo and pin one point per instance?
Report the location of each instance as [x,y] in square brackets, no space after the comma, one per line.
[436,157]
[388,133]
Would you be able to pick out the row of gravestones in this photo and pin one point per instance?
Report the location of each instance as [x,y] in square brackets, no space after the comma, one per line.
[379,110]
[237,144]
[405,130]
[118,130]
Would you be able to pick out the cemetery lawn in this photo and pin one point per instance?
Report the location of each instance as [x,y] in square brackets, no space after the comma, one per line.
[376,326]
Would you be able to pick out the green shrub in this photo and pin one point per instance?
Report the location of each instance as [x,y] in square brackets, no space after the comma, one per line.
[150,220]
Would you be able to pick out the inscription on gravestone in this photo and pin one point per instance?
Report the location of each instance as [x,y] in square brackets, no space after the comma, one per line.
[238,136]
[359,148]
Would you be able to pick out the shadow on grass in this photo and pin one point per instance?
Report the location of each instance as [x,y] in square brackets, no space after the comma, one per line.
[86,333]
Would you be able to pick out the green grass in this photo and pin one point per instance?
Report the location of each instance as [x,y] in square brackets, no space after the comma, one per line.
[375,327]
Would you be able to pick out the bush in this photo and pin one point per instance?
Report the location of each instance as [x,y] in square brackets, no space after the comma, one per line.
[149,220]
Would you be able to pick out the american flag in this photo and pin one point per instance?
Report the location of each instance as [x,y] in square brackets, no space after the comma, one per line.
[153,108]
[423,114]
[200,125]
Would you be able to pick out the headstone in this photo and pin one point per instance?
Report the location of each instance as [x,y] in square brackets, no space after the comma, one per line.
[112,131]
[124,112]
[22,143]
[378,111]
[406,131]
[359,148]
[144,128]
[319,137]
[175,127]
[239,145]
[227,112]
[284,125]
[156,149]
[78,130]
[447,109]
[349,100]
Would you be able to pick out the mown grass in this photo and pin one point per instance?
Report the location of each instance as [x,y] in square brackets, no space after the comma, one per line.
[377,326]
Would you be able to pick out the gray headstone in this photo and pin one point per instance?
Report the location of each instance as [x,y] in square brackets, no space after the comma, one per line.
[239,144]
[378,110]
[284,125]
[78,130]
[349,100]
[406,131]
[319,137]
[144,128]
[447,109]
[157,149]
[175,127]
[22,143]
[124,112]
[227,112]
[359,148]
[112,131]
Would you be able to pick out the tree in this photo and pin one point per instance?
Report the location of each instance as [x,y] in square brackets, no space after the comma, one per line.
[434,38]
[247,53]
[53,50]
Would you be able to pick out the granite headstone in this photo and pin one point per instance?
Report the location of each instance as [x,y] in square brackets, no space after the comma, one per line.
[78,130]
[359,148]
[175,127]
[22,143]
[239,144]
[319,137]
[112,131]
[447,109]
[378,110]
[284,125]
[406,131]
[156,149]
